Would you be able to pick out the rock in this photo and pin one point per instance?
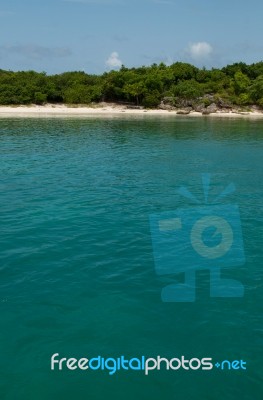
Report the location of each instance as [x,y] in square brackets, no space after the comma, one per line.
[212,108]
[207,99]
[222,103]
[182,103]
[183,112]
[134,107]
[199,108]
[256,108]
[167,107]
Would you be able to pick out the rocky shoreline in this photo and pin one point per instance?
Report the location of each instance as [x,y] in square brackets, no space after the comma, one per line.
[196,108]
[205,105]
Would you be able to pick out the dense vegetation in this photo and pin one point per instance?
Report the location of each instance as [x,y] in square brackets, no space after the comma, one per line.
[238,84]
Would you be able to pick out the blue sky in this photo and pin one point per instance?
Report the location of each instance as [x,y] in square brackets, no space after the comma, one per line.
[98,35]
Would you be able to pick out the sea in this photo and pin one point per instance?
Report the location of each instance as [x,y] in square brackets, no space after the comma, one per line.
[80,272]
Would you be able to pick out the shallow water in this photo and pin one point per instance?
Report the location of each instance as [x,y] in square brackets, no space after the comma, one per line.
[76,260]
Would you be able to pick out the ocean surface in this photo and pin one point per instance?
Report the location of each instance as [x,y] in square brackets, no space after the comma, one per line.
[77,267]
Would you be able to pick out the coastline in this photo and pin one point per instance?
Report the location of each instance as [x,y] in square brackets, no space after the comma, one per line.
[61,110]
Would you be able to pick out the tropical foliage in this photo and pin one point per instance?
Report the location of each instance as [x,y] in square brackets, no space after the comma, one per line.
[239,84]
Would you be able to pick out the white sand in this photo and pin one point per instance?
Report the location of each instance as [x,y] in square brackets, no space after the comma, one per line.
[106,110]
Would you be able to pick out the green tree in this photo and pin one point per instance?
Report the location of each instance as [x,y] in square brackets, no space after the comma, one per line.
[135,91]
[152,99]
[240,83]
[188,89]
[183,71]
[40,98]
[256,90]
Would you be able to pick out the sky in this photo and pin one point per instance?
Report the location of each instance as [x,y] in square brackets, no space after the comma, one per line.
[99,35]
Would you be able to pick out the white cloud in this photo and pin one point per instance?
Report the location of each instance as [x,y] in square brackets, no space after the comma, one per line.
[114,60]
[200,50]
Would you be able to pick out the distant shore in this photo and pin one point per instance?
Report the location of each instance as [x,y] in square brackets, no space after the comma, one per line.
[107,109]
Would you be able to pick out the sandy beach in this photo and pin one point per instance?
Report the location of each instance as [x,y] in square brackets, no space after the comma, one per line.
[107,110]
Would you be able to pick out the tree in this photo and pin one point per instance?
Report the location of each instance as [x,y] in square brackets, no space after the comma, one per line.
[152,99]
[135,90]
[188,89]
[241,82]
[40,98]
[183,71]
[238,83]
[256,90]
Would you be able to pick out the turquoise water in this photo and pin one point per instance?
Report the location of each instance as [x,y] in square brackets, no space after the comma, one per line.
[77,269]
